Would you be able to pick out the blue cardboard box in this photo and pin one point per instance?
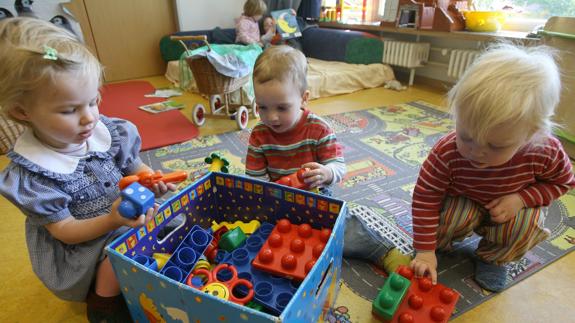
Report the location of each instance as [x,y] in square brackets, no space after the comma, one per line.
[152,296]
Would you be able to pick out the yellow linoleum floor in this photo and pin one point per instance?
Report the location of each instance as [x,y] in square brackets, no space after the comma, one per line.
[547,296]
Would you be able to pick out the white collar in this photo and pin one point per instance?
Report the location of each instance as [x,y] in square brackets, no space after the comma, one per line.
[30,148]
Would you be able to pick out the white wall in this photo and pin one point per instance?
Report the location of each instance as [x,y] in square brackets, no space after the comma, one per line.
[207,14]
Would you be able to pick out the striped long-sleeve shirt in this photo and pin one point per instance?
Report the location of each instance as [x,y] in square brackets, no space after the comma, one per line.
[539,173]
[311,140]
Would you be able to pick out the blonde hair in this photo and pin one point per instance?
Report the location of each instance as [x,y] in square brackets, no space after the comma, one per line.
[24,43]
[254,8]
[508,84]
[282,63]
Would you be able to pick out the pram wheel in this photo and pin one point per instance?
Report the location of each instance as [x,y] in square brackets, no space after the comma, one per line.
[242,117]
[199,115]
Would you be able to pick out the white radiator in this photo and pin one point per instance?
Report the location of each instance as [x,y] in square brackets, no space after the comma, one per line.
[459,61]
[405,54]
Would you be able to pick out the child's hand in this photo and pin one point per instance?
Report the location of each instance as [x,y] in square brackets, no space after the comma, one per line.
[162,188]
[318,175]
[135,222]
[504,208]
[425,262]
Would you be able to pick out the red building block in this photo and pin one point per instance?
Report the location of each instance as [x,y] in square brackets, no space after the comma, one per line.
[424,302]
[295,180]
[291,250]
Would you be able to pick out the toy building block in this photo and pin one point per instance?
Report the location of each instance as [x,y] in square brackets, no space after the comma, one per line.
[390,296]
[291,250]
[161,259]
[217,163]
[232,239]
[212,249]
[273,292]
[148,179]
[247,228]
[136,200]
[187,254]
[425,302]
[146,262]
[295,180]
[222,282]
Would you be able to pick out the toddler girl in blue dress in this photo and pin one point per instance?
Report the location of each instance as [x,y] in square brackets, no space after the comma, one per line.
[65,167]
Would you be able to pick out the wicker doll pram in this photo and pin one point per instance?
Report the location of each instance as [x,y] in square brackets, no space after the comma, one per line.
[219,88]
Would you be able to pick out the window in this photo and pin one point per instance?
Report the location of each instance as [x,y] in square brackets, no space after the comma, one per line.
[352,11]
[529,9]
[521,14]
[525,15]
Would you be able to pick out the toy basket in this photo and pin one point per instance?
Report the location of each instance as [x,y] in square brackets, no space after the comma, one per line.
[218,87]
[210,81]
[9,132]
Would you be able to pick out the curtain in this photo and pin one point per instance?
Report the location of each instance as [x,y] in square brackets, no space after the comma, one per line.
[309,9]
[282,4]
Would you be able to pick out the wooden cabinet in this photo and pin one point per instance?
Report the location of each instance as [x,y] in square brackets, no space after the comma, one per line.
[125,35]
[559,32]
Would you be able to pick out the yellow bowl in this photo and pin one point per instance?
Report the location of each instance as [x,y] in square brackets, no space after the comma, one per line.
[484,20]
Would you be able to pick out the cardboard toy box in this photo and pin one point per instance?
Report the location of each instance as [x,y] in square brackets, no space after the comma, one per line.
[152,296]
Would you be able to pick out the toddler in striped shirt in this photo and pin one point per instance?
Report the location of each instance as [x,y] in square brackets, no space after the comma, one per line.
[290,137]
[500,168]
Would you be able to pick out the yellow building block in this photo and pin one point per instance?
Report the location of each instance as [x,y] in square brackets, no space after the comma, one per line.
[247,228]
[161,259]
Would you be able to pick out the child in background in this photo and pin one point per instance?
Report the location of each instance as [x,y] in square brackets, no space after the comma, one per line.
[498,170]
[290,137]
[247,27]
[65,167]
[269,35]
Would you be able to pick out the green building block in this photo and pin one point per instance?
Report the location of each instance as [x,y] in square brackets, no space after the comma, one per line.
[232,239]
[255,306]
[390,296]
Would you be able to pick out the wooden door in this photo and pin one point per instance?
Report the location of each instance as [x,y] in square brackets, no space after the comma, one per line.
[127,35]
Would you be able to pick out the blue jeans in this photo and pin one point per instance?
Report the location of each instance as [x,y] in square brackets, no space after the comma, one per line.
[361,242]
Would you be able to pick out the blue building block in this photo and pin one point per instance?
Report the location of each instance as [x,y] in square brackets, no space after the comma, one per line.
[187,254]
[136,200]
[273,292]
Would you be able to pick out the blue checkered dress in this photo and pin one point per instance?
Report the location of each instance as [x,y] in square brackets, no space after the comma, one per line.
[87,191]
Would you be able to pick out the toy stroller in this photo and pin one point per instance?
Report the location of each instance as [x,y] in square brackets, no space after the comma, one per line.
[219,88]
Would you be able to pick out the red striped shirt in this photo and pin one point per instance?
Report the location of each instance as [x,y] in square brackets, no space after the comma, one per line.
[539,173]
[280,154]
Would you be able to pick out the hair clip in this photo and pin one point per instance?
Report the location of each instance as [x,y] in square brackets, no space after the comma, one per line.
[50,53]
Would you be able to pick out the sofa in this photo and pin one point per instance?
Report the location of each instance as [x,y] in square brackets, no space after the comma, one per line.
[340,61]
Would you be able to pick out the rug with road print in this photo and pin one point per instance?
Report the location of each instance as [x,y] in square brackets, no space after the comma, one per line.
[384,148]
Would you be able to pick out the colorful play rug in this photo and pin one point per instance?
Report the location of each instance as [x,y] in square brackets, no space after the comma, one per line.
[384,148]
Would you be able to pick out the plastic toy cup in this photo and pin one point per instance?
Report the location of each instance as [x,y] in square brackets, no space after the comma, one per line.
[254,243]
[265,229]
[224,275]
[282,300]
[264,291]
[198,240]
[240,256]
[174,273]
[185,258]
[147,262]
[221,256]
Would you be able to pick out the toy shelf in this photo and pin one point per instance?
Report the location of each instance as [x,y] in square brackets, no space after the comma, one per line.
[465,35]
